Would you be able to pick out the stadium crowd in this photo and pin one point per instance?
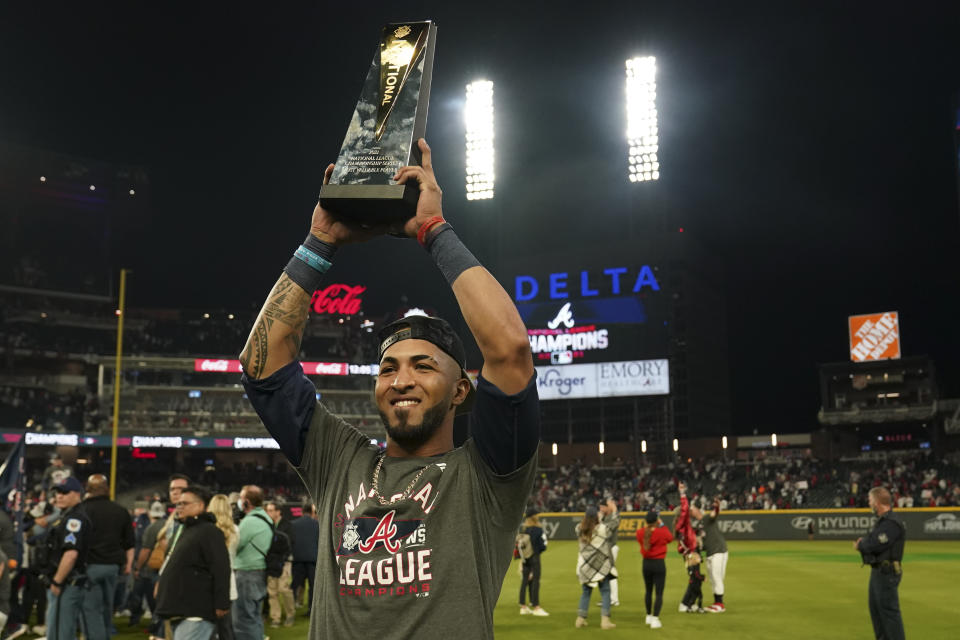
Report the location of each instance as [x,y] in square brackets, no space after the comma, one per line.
[915,479]
[39,408]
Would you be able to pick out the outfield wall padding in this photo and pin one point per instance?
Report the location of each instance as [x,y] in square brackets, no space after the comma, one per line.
[828,524]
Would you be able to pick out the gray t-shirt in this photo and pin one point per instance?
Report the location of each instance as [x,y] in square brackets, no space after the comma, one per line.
[713,540]
[149,541]
[428,566]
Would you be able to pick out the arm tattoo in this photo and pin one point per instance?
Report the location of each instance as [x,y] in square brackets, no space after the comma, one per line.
[281,323]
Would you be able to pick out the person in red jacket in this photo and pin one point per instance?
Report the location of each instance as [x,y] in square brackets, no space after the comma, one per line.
[653,539]
[686,536]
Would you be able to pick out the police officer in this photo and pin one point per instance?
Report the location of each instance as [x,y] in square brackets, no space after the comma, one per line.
[68,554]
[882,549]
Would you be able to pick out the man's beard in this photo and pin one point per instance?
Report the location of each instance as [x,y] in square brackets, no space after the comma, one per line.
[410,436]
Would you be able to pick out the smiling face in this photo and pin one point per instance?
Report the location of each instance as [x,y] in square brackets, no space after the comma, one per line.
[418,387]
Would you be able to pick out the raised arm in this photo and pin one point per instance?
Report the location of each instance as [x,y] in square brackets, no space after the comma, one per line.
[490,313]
[277,332]
[275,338]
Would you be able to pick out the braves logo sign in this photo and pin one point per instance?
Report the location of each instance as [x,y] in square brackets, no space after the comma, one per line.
[365,533]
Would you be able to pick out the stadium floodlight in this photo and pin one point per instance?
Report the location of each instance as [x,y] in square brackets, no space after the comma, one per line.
[643,446]
[724,442]
[478,117]
[601,447]
[676,445]
[773,439]
[643,137]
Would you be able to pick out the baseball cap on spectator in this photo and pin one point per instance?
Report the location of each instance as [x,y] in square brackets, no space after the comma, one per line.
[68,485]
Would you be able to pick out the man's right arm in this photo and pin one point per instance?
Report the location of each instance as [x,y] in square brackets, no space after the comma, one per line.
[277,333]
[275,338]
[282,396]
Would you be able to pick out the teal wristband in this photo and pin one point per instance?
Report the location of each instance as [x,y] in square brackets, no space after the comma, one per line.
[313,260]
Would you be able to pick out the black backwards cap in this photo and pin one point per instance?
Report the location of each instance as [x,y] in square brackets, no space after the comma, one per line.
[435,331]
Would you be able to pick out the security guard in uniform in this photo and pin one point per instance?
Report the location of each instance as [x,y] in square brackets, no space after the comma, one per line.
[68,560]
[882,549]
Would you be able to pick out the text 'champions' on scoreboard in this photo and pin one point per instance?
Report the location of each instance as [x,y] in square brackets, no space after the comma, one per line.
[593,315]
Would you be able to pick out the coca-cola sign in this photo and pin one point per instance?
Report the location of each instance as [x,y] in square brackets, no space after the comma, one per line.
[309,368]
[342,299]
[326,368]
[222,366]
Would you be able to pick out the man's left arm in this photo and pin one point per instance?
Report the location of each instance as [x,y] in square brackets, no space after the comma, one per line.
[490,314]
[880,539]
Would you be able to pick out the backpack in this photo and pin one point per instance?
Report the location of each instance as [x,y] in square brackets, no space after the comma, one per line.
[280,549]
[524,545]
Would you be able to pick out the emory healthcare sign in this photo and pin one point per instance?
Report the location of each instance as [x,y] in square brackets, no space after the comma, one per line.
[604,379]
[875,336]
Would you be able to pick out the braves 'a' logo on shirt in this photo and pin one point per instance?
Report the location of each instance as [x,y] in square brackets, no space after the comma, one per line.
[365,534]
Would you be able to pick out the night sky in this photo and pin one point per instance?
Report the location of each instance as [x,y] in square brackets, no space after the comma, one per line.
[810,149]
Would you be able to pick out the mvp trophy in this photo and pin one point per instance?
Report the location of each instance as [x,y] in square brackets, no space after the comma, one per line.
[390,117]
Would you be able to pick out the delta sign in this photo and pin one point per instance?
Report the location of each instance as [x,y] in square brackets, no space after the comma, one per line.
[595,315]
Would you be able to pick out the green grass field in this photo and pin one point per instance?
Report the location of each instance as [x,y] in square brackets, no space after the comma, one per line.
[803,590]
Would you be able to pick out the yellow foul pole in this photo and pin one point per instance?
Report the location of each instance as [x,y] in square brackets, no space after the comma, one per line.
[117,376]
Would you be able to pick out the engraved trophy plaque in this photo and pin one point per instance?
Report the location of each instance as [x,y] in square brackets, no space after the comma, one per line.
[391,115]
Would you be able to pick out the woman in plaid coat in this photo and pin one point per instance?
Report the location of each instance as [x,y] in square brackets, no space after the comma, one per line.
[595,567]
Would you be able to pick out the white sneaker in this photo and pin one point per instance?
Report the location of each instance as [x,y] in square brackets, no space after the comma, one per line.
[655,622]
[539,611]
[525,610]
[649,618]
[683,608]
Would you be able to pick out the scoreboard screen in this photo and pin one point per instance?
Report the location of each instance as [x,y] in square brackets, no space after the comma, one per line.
[593,315]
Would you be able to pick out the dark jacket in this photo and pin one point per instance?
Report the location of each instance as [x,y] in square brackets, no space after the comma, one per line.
[112,531]
[306,536]
[885,542]
[7,543]
[196,580]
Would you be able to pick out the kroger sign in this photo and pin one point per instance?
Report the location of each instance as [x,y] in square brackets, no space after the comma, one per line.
[604,379]
[616,281]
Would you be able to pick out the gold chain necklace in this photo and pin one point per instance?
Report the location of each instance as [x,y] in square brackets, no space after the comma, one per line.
[375,486]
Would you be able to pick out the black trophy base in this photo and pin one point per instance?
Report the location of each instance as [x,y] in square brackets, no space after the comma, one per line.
[371,204]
